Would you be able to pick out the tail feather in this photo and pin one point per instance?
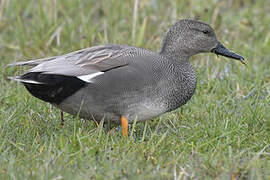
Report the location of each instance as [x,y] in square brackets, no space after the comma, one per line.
[19,79]
[31,62]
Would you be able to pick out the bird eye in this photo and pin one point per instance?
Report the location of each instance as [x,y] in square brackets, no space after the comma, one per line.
[206,31]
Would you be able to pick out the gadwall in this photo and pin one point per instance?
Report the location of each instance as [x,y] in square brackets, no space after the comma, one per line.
[121,83]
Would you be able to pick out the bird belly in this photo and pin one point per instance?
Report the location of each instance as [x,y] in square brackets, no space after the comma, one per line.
[90,103]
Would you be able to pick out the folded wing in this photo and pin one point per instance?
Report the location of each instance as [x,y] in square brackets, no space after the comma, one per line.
[84,64]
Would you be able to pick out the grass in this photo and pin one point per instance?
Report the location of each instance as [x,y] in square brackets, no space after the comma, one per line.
[223,132]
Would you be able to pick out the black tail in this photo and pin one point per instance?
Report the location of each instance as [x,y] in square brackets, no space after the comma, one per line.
[50,87]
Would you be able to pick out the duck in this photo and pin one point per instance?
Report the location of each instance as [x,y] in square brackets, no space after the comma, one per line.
[124,83]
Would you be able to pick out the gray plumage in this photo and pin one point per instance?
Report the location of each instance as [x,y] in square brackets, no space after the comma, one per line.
[114,80]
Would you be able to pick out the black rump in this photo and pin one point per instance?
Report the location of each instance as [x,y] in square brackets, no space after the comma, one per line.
[54,88]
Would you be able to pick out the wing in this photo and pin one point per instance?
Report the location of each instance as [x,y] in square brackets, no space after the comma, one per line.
[84,64]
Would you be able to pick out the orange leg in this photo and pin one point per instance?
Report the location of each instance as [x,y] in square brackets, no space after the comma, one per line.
[124,125]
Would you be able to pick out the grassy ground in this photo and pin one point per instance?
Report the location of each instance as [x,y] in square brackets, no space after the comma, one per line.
[223,132]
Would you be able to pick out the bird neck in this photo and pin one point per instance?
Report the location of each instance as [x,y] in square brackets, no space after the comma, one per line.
[175,54]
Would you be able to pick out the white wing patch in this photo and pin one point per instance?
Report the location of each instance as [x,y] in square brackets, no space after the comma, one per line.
[88,77]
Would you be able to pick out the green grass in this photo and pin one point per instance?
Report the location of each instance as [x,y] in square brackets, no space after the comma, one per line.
[223,132]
